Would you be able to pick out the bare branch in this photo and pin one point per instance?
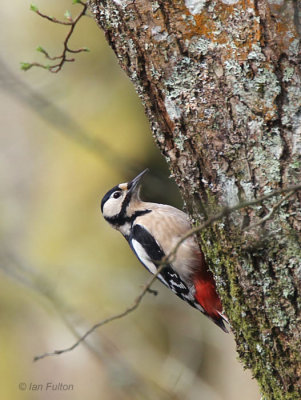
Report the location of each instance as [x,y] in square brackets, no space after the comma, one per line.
[128,310]
[270,213]
[167,259]
[52,19]
[228,210]
[63,57]
[26,275]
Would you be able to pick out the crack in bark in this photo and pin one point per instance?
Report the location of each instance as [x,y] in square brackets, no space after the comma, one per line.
[280,101]
[168,24]
[297,11]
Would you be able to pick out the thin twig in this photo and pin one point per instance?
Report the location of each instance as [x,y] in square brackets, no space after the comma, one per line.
[152,291]
[27,276]
[167,259]
[52,19]
[228,210]
[128,310]
[64,56]
[270,213]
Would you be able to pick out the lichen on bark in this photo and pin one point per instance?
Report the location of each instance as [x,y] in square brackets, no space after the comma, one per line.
[220,83]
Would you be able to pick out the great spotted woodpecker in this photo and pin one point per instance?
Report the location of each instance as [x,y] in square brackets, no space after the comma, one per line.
[152,231]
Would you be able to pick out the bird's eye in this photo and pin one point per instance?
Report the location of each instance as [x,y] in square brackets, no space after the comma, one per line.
[116,195]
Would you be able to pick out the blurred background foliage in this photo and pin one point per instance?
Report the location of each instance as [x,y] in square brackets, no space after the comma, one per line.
[65,140]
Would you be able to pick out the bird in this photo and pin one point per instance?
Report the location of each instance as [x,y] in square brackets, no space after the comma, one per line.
[153,230]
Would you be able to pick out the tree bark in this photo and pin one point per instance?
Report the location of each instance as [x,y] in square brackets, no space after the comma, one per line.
[220,83]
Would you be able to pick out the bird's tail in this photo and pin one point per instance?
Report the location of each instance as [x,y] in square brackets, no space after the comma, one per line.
[221,322]
[206,295]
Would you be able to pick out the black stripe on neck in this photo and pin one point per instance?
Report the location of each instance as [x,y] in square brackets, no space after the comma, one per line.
[125,204]
[121,219]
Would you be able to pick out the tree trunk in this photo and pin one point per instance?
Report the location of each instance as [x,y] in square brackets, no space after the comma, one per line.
[220,83]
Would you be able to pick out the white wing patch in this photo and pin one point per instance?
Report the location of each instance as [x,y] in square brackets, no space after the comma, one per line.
[173,282]
[143,257]
[145,260]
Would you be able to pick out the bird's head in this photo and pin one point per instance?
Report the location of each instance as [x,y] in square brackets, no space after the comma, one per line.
[116,202]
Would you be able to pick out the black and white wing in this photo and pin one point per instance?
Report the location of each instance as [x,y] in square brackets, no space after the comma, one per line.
[149,253]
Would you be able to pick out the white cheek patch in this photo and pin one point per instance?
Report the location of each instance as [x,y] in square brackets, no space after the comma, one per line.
[143,257]
[112,207]
[109,210]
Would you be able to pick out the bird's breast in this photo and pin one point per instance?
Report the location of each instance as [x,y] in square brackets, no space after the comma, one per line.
[167,225]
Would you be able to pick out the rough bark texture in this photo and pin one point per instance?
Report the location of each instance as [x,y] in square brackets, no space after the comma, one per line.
[220,82]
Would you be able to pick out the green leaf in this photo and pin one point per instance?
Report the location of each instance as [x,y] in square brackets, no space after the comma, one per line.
[87,49]
[25,66]
[34,8]
[75,1]
[40,49]
[68,15]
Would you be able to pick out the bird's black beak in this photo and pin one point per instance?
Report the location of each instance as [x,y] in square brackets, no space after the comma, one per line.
[133,185]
